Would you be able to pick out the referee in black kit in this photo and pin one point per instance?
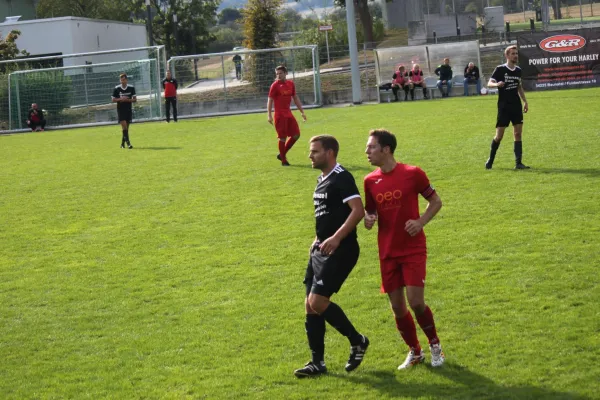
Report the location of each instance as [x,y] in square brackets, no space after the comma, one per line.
[333,255]
[124,95]
[507,78]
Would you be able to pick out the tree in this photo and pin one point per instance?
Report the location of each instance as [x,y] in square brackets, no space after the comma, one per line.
[364,14]
[99,9]
[8,46]
[261,26]
[229,15]
[291,20]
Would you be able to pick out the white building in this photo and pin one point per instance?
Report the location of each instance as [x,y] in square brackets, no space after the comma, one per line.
[70,35]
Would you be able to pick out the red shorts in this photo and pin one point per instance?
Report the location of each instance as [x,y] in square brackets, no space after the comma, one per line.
[286,127]
[403,271]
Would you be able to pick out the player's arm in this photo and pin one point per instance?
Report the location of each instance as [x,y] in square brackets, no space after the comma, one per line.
[522,95]
[115,96]
[434,205]
[356,214]
[270,110]
[133,96]
[370,209]
[299,105]
[495,81]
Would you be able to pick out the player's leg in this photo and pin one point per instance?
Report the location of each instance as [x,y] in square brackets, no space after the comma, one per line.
[43,124]
[315,332]
[124,138]
[448,88]
[330,274]
[466,86]
[424,87]
[395,91]
[502,122]
[127,123]
[406,89]
[281,129]
[168,109]
[174,103]
[517,121]
[414,271]
[412,90]
[478,85]
[440,87]
[293,132]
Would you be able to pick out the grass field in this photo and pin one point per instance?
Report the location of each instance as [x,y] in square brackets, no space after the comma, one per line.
[174,270]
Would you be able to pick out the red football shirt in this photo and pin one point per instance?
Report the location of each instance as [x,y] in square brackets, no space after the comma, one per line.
[282,93]
[395,198]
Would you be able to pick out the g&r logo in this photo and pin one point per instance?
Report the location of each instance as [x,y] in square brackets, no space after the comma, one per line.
[389,199]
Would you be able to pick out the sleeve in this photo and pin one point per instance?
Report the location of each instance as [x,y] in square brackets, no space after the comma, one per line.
[293,89]
[115,94]
[437,71]
[163,82]
[451,73]
[497,75]
[476,70]
[422,183]
[466,74]
[41,112]
[347,187]
[273,91]
[394,76]
[175,83]
[369,202]
[132,92]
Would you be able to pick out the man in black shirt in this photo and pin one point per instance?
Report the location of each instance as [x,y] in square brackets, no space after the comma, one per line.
[507,78]
[444,72]
[471,77]
[124,95]
[333,255]
[237,60]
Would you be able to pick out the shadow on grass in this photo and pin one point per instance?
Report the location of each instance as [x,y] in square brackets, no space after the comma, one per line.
[467,384]
[157,148]
[592,172]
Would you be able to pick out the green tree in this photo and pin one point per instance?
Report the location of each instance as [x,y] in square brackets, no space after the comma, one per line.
[229,15]
[261,26]
[100,9]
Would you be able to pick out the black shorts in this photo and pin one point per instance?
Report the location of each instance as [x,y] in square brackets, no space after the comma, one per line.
[509,114]
[124,115]
[325,275]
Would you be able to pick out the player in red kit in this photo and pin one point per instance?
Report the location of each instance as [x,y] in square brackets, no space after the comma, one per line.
[281,94]
[392,200]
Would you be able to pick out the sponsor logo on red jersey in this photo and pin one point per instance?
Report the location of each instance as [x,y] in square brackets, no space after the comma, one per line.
[562,43]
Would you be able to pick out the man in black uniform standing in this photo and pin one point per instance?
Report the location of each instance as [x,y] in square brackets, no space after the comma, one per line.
[333,255]
[507,78]
[124,95]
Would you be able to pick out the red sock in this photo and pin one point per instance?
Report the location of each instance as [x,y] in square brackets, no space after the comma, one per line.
[426,323]
[282,150]
[408,331]
[290,142]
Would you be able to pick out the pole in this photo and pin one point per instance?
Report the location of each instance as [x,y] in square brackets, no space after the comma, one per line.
[87,102]
[149,18]
[327,44]
[175,33]
[9,105]
[581,12]
[351,20]
[224,80]
[523,5]
[18,105]
[455,16]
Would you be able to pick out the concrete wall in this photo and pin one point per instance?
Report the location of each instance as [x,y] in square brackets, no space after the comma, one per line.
[397,13]
[445,25]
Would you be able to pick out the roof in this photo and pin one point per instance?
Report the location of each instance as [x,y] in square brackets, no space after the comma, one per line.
[59,19]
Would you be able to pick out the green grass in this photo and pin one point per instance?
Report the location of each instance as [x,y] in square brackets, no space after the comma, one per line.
[174,270]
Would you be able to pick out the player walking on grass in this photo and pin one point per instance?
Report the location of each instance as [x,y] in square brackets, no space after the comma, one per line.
[507,78]
[332,256]
[124,95]
[281,94]
[392,199]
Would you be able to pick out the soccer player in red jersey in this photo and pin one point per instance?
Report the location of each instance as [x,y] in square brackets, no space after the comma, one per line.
[281,94]
[392,200]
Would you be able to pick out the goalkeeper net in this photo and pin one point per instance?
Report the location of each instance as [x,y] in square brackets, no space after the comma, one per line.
[81,95]
[238,82]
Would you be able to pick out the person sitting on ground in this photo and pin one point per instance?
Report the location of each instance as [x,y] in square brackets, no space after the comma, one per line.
[415,79]
[444,71]
[35,119]
[472,77]
[400,81]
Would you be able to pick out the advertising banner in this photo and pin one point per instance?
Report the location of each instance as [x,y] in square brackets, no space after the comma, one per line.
[560,60]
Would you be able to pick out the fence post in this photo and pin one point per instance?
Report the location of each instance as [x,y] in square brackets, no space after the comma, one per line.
[9,105]
[19,105]
[366,70]
[224,80]
[87,102]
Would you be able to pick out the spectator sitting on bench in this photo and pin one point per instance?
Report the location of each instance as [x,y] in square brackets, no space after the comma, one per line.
[444,71]
[415,78]
[400,81]
[472,77]
[35,119]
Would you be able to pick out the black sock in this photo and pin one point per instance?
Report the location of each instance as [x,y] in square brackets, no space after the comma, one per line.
[126,135]
[335,316]
[315,331]
[124,139]
[518,152]
[493,150]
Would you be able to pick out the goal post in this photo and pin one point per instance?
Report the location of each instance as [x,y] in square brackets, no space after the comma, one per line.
[238,82]
[81,95]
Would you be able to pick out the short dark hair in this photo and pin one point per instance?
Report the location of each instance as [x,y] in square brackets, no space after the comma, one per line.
[385,138]
[281,68]
[328,142]
[123,75]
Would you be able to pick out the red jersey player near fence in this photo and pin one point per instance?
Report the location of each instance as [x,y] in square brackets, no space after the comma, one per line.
[392,199]
[281,94]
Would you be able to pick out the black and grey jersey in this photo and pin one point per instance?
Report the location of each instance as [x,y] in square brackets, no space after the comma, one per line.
[127,92]
[509,94]
[330,198]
